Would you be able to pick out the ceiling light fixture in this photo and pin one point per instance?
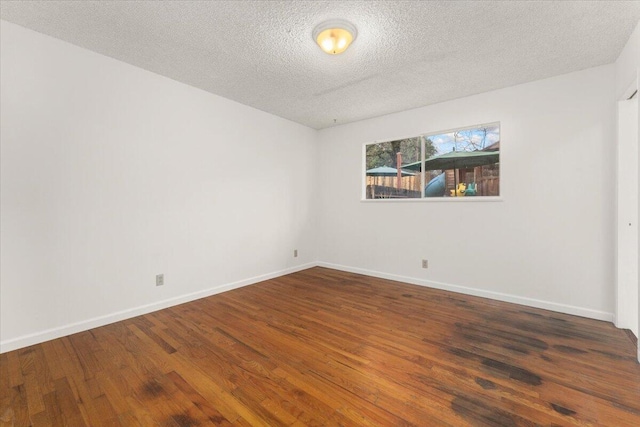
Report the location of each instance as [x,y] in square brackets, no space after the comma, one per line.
[334,36]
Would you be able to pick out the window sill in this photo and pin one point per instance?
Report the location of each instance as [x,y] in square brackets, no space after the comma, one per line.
[438,200]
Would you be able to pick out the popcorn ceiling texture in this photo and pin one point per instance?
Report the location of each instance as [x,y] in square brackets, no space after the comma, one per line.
[407,54]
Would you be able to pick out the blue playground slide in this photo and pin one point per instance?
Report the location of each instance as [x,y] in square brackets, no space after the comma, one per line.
[435,187]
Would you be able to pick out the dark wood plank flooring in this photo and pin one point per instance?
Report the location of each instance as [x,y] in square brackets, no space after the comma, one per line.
[328,348]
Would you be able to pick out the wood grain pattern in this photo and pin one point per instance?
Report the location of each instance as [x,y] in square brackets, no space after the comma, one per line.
[328,348]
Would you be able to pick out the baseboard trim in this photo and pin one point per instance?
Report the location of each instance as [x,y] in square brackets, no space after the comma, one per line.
[49,334]
[531,302]
[72,328]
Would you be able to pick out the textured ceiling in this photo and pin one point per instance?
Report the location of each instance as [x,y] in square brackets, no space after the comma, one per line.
[407,53]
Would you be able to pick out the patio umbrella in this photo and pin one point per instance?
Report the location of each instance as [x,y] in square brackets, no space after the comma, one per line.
[387,171]
[457,160]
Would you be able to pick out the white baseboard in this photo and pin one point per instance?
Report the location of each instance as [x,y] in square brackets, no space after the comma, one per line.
[61,331]
[531,302]
[49,334]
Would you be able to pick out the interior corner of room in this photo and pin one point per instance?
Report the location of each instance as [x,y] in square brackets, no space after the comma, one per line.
[112,174]
[319,213]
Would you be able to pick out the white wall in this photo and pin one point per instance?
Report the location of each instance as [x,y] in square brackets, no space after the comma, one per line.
[549,243]
[111,174]
[628,63]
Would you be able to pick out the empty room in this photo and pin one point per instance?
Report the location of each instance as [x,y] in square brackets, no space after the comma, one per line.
[319,213]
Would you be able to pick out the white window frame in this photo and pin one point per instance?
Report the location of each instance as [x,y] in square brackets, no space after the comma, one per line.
[422,198]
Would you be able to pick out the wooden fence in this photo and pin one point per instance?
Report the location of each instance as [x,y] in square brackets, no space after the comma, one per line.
[487,179]
[384,187]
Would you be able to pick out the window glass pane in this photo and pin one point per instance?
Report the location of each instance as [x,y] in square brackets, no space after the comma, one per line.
[460,163]
[463,163]
[384,180]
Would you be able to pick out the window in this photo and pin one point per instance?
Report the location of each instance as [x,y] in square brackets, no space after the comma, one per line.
[463,162]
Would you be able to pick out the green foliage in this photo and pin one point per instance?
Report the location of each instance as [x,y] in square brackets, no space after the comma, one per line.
[429,149]
[384,153]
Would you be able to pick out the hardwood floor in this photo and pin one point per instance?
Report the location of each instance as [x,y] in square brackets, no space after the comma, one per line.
[322,347]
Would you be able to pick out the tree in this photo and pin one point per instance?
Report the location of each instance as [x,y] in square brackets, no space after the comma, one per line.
[471,139]
[384,153]
[429,149]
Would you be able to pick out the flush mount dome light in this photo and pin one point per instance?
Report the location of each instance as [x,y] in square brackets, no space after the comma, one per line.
[334,36]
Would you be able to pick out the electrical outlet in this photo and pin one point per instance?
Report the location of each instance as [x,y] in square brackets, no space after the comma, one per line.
[159,279]
[295,253]
[425,263]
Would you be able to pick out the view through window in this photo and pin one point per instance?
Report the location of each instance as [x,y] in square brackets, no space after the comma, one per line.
[460,163]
